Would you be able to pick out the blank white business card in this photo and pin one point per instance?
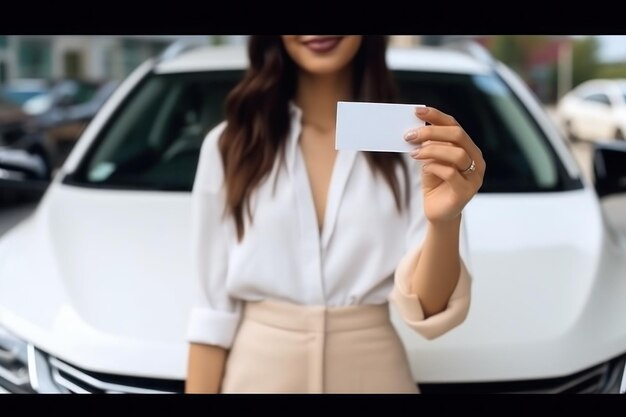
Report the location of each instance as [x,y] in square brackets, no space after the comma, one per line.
[375,126]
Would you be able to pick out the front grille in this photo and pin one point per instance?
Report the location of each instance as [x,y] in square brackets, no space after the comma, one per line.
[603,378]
[26,369]
[14,375]
[14,371]
[72,379]
[45,373]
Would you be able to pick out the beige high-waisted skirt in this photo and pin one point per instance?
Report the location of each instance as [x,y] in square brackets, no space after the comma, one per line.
[287,348]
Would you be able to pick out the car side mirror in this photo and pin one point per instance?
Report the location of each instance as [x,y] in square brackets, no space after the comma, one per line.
[609,168]
[23,170]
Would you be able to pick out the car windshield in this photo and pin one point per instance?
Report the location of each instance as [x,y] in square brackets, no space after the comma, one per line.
[152,141]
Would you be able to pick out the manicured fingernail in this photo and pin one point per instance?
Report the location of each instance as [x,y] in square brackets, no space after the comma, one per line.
[411,134]
[421,110]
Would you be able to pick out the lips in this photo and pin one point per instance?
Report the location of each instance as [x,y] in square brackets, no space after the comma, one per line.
[322,44]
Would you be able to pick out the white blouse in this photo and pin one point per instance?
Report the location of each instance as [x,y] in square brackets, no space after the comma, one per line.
[283,256]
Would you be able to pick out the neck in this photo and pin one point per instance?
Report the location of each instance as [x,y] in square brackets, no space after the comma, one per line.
[317,97]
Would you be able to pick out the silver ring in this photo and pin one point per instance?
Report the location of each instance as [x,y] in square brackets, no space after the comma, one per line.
[471,168]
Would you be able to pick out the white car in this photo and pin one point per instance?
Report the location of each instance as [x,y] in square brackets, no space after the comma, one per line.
[95,286]
[595,110]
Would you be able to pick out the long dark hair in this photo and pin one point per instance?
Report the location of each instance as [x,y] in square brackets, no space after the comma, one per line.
[258,121]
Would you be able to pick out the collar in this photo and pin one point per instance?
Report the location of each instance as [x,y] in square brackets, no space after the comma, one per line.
[339,178]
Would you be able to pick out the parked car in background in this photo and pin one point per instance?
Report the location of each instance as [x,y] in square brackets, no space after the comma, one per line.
[66,116]
[13,122]
[25,163]
[595,110]
[45,137]
[65,92]
[20,91]
[96,285]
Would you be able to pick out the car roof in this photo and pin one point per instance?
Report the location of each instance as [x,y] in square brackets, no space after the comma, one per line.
[602,82]
[423,58]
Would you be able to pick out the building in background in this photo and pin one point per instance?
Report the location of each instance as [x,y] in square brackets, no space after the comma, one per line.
[92,58]
[3,58]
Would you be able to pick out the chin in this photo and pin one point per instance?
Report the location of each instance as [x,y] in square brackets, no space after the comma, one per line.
[323,67]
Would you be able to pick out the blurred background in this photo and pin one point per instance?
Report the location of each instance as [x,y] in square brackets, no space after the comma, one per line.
[53,85]
[551,65]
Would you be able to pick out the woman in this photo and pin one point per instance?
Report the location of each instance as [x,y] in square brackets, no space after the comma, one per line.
[299,247]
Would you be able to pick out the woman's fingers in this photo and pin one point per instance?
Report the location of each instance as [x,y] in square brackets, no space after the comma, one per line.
[450,175]
[444,128]
[447,152]
[453,134]
[435,117]
[449,155]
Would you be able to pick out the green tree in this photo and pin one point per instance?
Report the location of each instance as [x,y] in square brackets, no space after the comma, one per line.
[509,50]
[517,52]
[217,40]
[585,64]
[612,70]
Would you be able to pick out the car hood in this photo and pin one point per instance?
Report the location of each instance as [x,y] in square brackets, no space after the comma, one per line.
[547,286]
[102,279]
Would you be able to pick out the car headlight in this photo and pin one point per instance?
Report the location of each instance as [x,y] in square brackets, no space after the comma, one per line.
[14,363]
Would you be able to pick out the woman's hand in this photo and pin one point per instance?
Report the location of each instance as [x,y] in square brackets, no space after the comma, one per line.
[448,153]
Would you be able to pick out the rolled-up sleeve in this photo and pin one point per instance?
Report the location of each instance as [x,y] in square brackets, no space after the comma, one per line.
[407,303]
[214,315]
